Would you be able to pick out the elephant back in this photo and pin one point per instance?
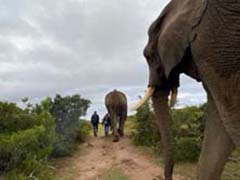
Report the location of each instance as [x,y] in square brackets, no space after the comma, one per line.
[115,98]
[116,101]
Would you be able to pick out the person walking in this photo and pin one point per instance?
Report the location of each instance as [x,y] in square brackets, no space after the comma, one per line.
[95,122]
[106,123]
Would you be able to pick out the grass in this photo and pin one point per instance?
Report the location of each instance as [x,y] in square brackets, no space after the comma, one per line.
[100,130]
[114,174]
[128,128]
[232,168]
[189,170]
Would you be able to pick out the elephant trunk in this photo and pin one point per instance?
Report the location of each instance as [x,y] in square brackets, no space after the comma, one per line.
[161,108]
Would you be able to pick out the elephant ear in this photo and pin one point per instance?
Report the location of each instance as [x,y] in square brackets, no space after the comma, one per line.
[176,30]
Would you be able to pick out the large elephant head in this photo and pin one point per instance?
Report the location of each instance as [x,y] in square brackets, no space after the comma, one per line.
[170,36]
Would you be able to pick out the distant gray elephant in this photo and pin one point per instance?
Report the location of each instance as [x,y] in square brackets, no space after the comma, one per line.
[200,38]
[116,104]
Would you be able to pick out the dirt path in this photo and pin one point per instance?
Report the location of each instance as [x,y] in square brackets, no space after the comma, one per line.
[100,154]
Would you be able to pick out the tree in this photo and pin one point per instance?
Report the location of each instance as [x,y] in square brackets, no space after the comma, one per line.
[67,112]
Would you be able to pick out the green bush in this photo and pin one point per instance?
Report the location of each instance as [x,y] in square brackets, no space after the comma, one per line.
[16,146]
[67,112]
[187,149]
[29,137]
[146,133]
[26,141]
[188,121]
[32,169]
[187,129]
[83,130]
[13,119]
[64,147]
[188,126]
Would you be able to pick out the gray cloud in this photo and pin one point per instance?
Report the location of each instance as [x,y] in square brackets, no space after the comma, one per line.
[78,46]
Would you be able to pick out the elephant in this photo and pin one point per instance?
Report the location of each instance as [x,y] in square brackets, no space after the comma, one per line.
[200,38]
[116,104]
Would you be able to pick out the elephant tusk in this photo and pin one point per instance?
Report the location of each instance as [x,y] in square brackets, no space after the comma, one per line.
[173,97]
[146,97]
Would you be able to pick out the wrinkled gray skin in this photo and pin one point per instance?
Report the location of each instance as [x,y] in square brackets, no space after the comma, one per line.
[201,39]
[116,104]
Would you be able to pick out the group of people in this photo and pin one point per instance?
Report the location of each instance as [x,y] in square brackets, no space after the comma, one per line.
[106,122]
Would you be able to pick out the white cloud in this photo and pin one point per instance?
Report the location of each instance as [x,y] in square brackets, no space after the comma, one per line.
[78,46]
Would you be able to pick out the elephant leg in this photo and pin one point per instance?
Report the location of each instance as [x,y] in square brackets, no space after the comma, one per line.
[217,146]
[121,126]
[114,127]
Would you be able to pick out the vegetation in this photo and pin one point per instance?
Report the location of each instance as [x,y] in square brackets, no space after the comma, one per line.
[147,133]
[66,111]
[232,168]
[26,141]
[187,128]
[30,137]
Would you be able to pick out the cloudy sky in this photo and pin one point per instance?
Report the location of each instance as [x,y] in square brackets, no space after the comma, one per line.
[78,46]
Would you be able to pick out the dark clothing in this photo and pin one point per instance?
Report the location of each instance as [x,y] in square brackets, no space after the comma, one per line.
[95,119]
[106,120]
[107,124]
[95,122]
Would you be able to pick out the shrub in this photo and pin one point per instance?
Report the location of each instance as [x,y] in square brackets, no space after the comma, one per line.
[187,128]
[83,130]
[147,133]
[67,112]
[13,119]
[187,149]
[188,121]
[64,147]
[26,141]
[29,137]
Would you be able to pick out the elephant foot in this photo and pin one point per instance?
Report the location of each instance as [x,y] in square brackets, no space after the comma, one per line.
[120,132]
[116,139]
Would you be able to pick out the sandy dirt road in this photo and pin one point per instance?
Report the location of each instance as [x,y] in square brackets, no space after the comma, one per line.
[100,154]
